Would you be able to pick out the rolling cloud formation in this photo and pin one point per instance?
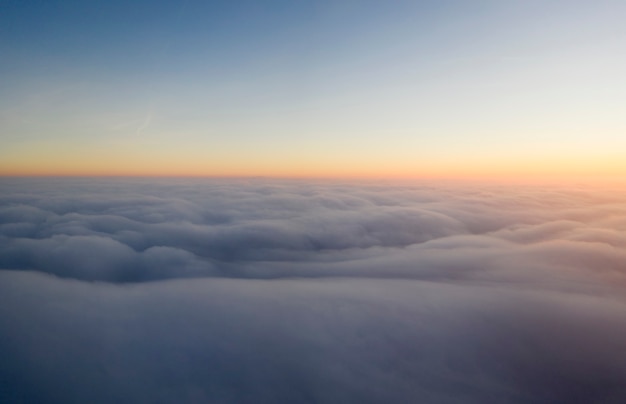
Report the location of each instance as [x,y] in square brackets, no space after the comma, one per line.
[253,291]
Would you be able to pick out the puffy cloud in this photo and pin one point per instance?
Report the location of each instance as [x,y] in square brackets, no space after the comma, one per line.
[284,291]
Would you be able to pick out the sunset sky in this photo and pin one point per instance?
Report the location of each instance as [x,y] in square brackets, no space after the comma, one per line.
[299,201]
[313,88]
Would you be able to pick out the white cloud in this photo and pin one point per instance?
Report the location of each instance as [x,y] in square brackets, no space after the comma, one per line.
[253,291]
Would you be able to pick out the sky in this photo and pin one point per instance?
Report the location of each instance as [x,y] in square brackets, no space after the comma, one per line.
[243,201]
[346,88]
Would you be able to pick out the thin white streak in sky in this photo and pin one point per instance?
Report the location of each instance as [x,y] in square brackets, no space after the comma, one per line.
[144,124]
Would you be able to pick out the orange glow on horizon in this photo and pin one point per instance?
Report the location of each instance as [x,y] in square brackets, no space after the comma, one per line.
[546,169]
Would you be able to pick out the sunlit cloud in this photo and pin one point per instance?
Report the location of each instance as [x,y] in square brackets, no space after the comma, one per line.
[291,291]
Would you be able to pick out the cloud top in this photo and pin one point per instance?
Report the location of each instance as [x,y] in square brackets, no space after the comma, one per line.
[280,291]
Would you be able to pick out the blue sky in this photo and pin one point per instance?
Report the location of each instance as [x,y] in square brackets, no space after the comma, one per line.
[287,86]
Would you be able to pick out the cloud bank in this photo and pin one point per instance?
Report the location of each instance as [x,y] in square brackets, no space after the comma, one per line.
[251,291]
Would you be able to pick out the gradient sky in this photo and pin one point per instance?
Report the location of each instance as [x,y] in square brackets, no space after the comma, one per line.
[313,88]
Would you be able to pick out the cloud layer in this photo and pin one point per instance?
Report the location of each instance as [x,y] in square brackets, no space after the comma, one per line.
[283,291]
